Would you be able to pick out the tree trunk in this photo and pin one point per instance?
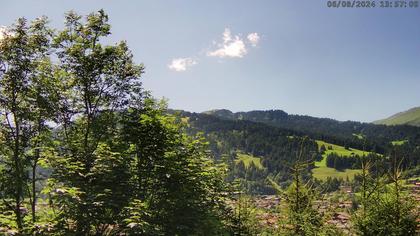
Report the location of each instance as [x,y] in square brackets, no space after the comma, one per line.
[19,184]
[33,203]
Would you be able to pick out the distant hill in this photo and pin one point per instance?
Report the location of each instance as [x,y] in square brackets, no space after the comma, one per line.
[261,145]
[344,133]
[409,117]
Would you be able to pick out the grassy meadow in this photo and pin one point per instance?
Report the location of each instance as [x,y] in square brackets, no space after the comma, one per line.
[248,159]
[321,171]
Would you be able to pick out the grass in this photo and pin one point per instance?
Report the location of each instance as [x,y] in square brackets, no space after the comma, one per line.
[359,136]
[322,171]
[398,142]
[248,159]
[339,150]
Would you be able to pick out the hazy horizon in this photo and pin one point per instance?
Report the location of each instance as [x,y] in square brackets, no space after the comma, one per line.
[236,111]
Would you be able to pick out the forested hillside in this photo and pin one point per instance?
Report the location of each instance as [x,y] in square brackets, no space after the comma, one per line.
[273,137]
[263,157]
[345,133]
[277,148]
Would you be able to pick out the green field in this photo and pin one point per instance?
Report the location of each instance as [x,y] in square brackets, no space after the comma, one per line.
[359,136]
[248,159]
[340,150]
[322,171]
[399,142]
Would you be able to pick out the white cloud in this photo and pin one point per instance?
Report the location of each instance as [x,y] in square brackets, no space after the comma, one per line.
[231,47]
[181,64]
[227,35]
[234,46]
[253,38]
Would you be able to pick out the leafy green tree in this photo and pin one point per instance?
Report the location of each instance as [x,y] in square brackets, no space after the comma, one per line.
[97,82]
[25,91]
[174,176]
[119,163]
[43,100]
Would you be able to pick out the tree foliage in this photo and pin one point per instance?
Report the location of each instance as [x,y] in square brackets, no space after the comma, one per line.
[116,162]
[385,209]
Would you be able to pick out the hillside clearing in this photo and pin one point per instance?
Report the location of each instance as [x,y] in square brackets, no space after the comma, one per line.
[322,172]
[398,142]
[248,159]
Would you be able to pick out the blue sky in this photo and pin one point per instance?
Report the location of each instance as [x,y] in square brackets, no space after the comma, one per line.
[304,58]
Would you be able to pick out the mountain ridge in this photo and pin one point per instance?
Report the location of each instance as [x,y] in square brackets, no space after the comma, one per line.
[408,117]
[344,133]
[273,137]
